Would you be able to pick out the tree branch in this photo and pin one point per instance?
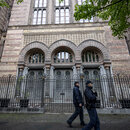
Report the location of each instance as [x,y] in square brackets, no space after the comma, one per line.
[110,5]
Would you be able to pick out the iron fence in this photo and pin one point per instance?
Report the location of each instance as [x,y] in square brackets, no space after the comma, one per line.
[55,94]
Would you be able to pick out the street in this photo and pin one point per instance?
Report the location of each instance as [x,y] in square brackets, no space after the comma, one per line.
[58,122]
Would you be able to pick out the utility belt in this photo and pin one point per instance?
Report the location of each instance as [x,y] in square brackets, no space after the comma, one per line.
[90,105]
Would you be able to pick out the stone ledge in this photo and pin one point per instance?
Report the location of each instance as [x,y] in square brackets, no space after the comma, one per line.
[21,110]
[113,111]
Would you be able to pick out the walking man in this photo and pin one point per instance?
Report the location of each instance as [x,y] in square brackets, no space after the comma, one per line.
[78,103]
[90,98]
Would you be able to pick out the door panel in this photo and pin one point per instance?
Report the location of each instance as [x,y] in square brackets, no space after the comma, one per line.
[34,84]
[63,86]
[91,73]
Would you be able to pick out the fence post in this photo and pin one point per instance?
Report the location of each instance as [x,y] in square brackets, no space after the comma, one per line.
[118,75]
[81,78]
[8,86]
[100,81]
[42,97]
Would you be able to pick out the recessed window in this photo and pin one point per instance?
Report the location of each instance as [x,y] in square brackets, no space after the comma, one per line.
[91,56]
[63,57]
[39,13]
[36,58]
[62,12]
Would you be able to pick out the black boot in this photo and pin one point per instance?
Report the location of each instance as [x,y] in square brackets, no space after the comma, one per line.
[69,123]
[82,124]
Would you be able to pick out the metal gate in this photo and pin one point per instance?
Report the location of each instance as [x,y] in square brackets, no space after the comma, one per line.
[34,88]
[113,91]
[61,90]
[62,87]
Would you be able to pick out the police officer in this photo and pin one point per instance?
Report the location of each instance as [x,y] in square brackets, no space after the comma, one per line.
[78,103]
[90,98]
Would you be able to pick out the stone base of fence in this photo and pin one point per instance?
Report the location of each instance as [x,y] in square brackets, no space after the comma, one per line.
[21,110]
[113,111]
[41,110]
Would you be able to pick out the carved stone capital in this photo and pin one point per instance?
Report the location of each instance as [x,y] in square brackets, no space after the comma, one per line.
[48,66]
[78,65]
[107,64]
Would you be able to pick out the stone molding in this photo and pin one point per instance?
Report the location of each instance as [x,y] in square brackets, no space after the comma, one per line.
[95,44]
[62,43]
[30,46]
[77,50]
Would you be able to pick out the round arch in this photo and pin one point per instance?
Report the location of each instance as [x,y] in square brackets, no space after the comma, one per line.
[62,43]
[93,43]
[30,46]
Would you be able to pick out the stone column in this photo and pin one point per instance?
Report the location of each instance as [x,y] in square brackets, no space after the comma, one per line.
[45,70]
[81,69]
[111,71]
[104,86]
[19,81]
[107,65]
[17,73]
[110,81]
[47,81]
[51,81]
[73,3]
[50,11]
[78,66]
[74,76]
[24,80]
[20,71]
[108,73]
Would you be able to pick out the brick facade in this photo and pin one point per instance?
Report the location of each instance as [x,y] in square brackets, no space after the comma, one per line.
[21,37]
[5,14]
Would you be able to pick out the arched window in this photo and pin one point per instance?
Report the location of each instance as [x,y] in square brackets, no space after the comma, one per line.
[91,56]
[39,13]
[62,12]
[63,57]
[36,58]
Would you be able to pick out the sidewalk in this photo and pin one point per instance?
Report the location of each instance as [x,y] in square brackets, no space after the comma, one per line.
[58,122]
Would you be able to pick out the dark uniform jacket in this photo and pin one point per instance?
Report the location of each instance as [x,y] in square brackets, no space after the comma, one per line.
[90,98]
[77,96]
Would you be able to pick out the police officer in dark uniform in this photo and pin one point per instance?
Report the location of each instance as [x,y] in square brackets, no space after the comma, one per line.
[90,98]
[78,103]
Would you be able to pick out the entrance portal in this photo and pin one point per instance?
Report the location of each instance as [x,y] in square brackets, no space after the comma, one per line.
[34,84]
[63,85]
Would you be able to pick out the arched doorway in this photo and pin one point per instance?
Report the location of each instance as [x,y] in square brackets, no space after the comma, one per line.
[34,61]
[31,69]
[95,64]
[92,58]
[63,60]
[32,57]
